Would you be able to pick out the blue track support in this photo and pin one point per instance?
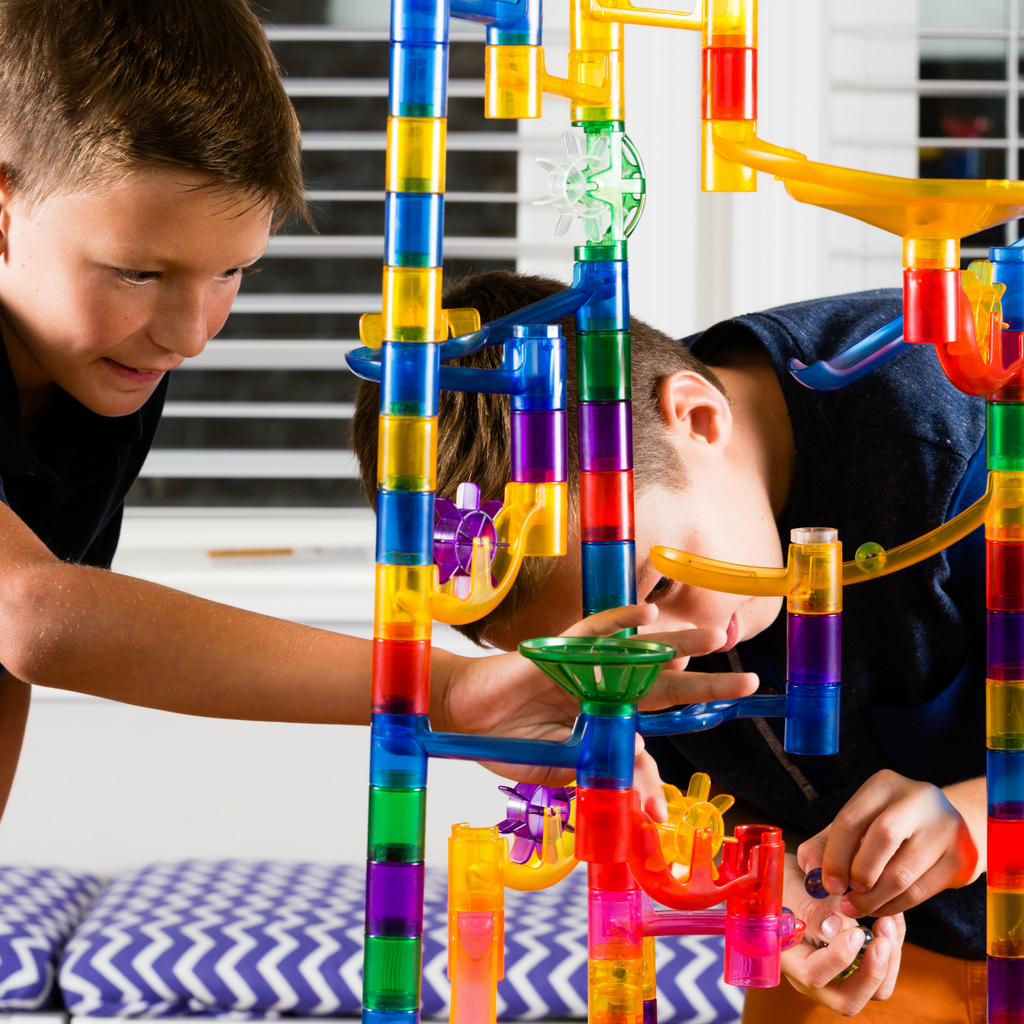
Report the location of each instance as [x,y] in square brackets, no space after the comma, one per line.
[842,370]
[700,717]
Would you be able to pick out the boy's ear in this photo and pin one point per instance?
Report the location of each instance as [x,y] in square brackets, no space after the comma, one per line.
[694,410]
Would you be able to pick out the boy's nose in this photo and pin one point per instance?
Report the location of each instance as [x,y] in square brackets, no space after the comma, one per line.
[183,327]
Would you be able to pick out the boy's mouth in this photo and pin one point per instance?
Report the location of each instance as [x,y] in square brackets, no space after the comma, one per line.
[732,634]
[132,374]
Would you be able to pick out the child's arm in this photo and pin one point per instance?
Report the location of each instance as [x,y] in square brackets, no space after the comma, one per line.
[94,631]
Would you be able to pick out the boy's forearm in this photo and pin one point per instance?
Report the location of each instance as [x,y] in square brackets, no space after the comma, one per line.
[15,697]
[970,799]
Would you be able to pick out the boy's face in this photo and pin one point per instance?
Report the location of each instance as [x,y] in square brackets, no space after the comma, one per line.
[103,292]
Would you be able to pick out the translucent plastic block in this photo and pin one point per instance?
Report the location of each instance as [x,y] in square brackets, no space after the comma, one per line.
[412,305]
[650,978]
[548,537]
[407,453]
[401,677]
[419,21]
[1004,717]
[1008,268]
[814,648]
[753,953]
[409,379]
[391,973]
[931,306]
[394,898]
[477,858]
[596,61]
[603,366]
[397,761]
[475,963]
[419,78]
[1004,521]
[733,23]
[1005,646]
[414,226]
[766,898]
[402,602]
[539,446]
[607,753]
[614,924]
[405,527]
[1004,576]
[812,718]
[606,506]
[606,436]
[650,1006]
[610,876]
[729,90]
[1005,771]
[1006,922]
[1005,437]
[615,991]
[1006,853]
[817,557]
[390,1016]
[1005,991]
[609,575]
[539,349]
[396,824]
[608,310]
[602,824]
[416,154]
[718,174]
[514,76]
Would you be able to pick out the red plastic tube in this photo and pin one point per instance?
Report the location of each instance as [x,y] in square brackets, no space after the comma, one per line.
[931,306]
[401,677]
[606,506]
[1004,576]
[1005,853]
[602,824]
[729,89]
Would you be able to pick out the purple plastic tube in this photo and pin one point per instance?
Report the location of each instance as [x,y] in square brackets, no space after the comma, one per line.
[538,446]
[1005,990]
[394,898]
[650,1011]
[814,648]
[606,436]
[1006,645]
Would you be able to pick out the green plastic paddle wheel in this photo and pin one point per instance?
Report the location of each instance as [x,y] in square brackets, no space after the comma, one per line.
[608,669]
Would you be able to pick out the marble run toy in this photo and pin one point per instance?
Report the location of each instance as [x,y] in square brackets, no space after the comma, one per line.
[455,560]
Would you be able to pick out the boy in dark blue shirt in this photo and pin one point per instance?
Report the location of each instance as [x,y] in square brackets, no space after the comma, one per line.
[147,151]
[730,453]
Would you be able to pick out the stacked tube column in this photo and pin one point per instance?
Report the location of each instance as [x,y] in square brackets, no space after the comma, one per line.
[813,643]
[412,328]
[1004,558]
[729,92]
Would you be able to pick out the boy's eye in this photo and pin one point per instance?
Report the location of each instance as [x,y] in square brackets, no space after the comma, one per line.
[242,271]
[138,276]
[658,590]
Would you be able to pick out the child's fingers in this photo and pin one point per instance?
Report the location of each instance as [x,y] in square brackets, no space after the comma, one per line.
[945,873]
[892,929]
[613,620]
[647,781]
[672,688]
[850,827]
[816,971]
[690,643]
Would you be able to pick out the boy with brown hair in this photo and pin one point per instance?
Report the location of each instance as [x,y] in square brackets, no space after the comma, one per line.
[729,454]
[147,151]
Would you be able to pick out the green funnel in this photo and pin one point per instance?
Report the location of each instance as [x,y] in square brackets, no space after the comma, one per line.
[600,668]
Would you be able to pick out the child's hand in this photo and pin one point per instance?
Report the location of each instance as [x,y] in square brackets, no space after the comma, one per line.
[831,944]
[506,695]
[897,842]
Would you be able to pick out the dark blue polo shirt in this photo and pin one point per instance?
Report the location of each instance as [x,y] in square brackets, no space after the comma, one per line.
[889,458]
[74,501]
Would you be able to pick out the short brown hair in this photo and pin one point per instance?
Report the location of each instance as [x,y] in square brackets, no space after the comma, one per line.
[95,88]
[474,436]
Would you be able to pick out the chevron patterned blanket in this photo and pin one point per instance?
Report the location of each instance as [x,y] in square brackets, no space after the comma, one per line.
[253,941]
[39,908]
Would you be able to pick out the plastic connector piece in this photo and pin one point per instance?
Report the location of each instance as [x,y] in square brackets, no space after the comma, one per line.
[812,718]
[419,80]
[514,77]
[407,453]
[402,596]
[412,305]
[729,91]
[397,760]
[615,991]
[717,172]
[401,677]
[539,442]
[394,898]
[609,575]
[1004,518]
[405,527]
[1005,916]
[1004,575]
[931,306]
[1005,645]
[1004,715]
[602,824]
[419,21]
[814,648]
[603,366]
[816,557]
[606,506]
[608,748]
[614,924]
[1005,990]
[607,309]
[416,154]
[1005,772]
[392,968]
[414,229]
[409,375]
[459,524]
[605,436]
[397,823]
[1005,864]
[1005,436]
